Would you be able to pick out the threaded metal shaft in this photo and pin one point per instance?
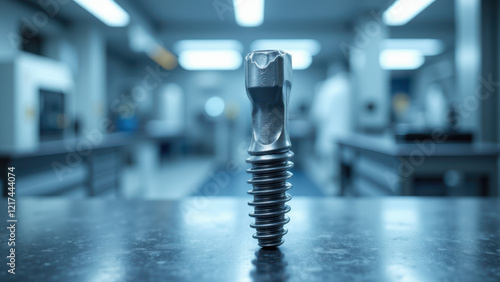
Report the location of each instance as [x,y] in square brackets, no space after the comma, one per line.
[269,180]
[268,80]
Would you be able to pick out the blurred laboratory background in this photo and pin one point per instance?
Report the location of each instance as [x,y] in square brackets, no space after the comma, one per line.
[146,99]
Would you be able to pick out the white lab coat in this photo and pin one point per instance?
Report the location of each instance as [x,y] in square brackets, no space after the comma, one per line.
[331,114]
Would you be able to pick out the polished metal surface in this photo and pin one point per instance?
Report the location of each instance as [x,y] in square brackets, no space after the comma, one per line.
[268,80]
[208,239]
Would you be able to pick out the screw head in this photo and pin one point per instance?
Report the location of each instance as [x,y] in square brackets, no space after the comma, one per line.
[268,68]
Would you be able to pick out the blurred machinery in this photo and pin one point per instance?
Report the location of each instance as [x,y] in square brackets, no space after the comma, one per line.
[168,112]
[36,103]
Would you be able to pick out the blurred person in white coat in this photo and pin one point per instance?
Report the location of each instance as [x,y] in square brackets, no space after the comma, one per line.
[331,115]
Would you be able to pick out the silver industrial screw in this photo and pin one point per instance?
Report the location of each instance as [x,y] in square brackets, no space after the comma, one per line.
[268,80]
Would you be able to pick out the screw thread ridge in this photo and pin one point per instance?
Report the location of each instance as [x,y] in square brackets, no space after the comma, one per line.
[269,182]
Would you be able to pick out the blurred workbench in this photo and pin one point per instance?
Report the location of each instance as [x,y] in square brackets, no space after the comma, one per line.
[87,165]
[208,239]
[380,166]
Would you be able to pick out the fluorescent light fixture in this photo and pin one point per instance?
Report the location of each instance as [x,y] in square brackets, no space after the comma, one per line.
[184,45]
[209,54]
[210,59]
[428,47]
[214,106]
[301,59]
[398,59]
[403,11]
[249,13]
[302,50]
[310,45]
[107,11]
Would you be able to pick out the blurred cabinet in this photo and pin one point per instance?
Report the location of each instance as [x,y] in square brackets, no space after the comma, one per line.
[104,171]
[66,168]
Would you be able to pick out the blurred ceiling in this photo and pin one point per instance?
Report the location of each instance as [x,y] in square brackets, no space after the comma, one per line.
[331,22]
[279,11]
